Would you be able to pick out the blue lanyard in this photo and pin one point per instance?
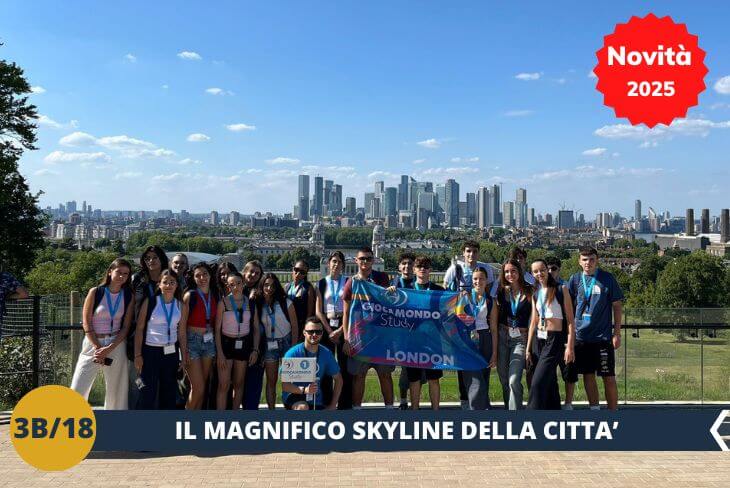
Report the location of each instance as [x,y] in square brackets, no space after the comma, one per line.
[238,311]
[335,293]
[515,303]
[417,286]
[272,319]
[478,304]
[168,316]
[588,290]
[206,303]
[112,309]
[541,297]
[402,283]
[294,289]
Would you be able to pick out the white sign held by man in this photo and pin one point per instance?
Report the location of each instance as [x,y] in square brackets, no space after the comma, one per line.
[298,370]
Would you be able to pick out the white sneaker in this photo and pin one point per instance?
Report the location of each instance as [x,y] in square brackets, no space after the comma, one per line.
[567,406]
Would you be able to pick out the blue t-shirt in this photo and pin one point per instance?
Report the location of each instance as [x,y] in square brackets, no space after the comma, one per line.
[599,306]
[326,366]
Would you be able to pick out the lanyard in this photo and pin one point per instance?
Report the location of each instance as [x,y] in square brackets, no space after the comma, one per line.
[418,286]
[238,311]
[478,304]
[168,316]
[402,282]
[206,303]
[515,303]
[151,289]
[112,309]
[541,297]
[588,290]
[335,293]
[272,320]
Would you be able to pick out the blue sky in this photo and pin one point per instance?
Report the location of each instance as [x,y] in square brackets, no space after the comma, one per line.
[151,105]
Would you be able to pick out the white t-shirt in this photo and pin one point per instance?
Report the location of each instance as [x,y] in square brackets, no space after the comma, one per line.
[276,317]
[157,327]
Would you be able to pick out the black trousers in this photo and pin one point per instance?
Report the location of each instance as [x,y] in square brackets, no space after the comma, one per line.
[159,373]
[544,394]
[327,383]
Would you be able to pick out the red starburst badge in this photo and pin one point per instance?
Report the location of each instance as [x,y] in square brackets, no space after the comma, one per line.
[650,70]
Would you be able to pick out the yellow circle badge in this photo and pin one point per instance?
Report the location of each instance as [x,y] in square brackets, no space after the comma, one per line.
[53,428]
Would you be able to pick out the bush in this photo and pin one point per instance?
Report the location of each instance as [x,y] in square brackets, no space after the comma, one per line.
[16,362]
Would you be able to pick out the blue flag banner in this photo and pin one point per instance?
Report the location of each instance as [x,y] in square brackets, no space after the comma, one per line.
[415,328]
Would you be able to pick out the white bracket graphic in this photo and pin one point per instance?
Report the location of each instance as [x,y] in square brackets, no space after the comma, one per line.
[715,429]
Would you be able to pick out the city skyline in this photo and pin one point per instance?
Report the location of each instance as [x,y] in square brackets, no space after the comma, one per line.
[204,117]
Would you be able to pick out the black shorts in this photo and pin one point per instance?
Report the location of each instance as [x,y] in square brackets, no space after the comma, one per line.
[297,398]
[414,374]
[230,351]
[595,358]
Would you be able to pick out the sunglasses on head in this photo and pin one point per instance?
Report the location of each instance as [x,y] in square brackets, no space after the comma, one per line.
[314,332]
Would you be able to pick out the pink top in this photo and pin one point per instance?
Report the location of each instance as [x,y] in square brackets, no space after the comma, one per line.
[230,325]
[101,322]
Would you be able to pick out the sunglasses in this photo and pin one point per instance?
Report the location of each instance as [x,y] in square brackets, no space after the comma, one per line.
[422,266]
[365,259]
[300,271]
[151,258]
[553,268]
[316,332]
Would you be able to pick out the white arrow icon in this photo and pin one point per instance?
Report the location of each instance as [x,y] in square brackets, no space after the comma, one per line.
[715,430]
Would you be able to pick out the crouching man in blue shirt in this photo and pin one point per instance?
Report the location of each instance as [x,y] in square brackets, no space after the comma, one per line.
[306,396]
[598,312]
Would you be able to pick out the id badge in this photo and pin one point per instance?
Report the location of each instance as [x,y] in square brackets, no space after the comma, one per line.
[586,318]
[169,349]
[330,308]
[208,337]
[514,332]
[310,397]
[272,345]
[481,324]
[541,334]
[238,344]
[474,336]
[334,323]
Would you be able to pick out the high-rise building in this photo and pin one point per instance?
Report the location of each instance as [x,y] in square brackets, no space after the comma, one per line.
[496,205]
[521,208]
[508,214]
[531,220]
[484,209]
[440,191]
[403,187]
[452,203]
[303,205]
[213,217]
[637,210]
[375,206]
[336,199]
[653,220]
[566,219]
[427,206]
[471,208]
[318,196]
[705,221]
[71,206]
[369,196]
[689,222]
[724,225]
[328,185]
[390,202]
[84,208]
[548,220]
[350,206]
[233,218]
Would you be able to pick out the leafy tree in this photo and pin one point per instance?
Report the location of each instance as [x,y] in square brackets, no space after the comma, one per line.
[21,232]
[693,281]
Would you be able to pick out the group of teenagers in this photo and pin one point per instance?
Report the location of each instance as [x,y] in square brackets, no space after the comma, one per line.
[214,333]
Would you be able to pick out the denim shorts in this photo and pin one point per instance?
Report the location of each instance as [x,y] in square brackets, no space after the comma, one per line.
[278,353]
[197,349]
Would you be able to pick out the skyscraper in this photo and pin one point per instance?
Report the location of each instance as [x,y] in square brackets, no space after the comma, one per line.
[350,206]
[403,187]
[303,205]
[521,208]
[328,185]
[318,195]
[724,225]
[440,191]
[213,217]
[637,210]
[689,222]
[484,209]
[496,205]
[705,221]
[508,214]
[369,196]
[390,202]
[452,203]
[566,219]
[471,208]
[336,199]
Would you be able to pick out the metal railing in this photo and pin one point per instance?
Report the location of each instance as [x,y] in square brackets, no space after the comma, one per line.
[666,354]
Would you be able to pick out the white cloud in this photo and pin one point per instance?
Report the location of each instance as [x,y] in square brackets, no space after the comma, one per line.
[518,113]
[253,171]
[465,160]
[722,85]
[561,81]
[430,143]
[77,139]
[46,172]
[592,172]
[591,74]
[528,76]
[450,171]
[419,161]
[717,105]
[170,177]
[381,175]
[165,87]
[127,175]
[57,157]
[37,90]
[130,58]
[189,55]
[188,161]
[197,137]
[598,151]
[218,91]
[240,127]
[680,127]
[283,160]
[46,121]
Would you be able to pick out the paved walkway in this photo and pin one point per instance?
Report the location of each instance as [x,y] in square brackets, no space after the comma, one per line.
[433,469]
